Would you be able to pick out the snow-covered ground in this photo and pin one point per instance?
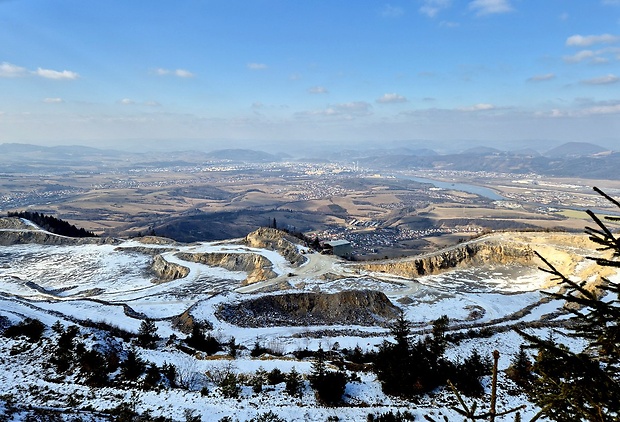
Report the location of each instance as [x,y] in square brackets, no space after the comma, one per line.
[113,284]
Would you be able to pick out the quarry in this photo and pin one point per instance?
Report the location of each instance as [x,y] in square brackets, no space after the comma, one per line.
[271,289]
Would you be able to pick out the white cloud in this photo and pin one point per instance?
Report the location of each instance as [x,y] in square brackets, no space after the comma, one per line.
[392,98]
[55,74]
[318,90]
[431,8]
[390,11]
[8,70]
[295,77]
[588,40]
[595,55]
[152,103]
[346,111]
[127,101]
[602,109]
[592,110]
[490,7]
[602,80]
[478,107]
[611,2]
[257,66]
[53,100]
[181,73]
[580,56]
[539,78]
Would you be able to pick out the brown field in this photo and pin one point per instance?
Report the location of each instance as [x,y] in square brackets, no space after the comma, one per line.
[398,216]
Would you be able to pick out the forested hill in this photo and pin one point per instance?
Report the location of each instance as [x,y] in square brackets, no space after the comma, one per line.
[53,224]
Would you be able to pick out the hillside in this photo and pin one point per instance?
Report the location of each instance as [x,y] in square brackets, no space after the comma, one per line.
[212,321]
[575,149]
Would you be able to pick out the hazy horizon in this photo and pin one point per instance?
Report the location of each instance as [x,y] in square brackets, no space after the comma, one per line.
[310,148]
[264,73]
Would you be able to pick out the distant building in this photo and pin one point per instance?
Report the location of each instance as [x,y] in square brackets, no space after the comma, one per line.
[340,248]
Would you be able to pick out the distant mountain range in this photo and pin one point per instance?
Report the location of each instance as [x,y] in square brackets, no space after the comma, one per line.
[572,159]
[575,149]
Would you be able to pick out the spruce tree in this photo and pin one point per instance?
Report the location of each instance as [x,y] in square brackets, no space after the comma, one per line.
[294,383]
[147,334]
[574,386]
[520,369]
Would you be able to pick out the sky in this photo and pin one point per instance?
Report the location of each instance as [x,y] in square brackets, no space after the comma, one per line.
[219,71]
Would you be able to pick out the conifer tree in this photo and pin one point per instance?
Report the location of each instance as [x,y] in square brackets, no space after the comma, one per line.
[294,383]
[147,334]
[573,386]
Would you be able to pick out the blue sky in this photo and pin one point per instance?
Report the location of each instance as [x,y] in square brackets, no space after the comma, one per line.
[95,72]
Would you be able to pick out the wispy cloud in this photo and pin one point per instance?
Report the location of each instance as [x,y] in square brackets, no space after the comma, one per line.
[611,2]
[130,102]
[390,11]
[490,7]
[540,78]
[449,24]
[602,80]
[181,73]
[392,98]
[55,74]
[346,111]
[478,107]
[55,100]
[8,70]
[588,40]
[318,90]
[602,108]
[257,66]
[431,8]
[580,56]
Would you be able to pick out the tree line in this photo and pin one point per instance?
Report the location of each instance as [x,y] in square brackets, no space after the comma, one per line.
[53,224]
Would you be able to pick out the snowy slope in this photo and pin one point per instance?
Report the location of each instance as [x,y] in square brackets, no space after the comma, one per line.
[112,284]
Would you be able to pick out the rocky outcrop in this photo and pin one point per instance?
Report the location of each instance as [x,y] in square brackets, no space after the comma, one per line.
[467,254]
[357,307]
[257,266]
[276,240]
[14,223]
[156,240]
[167,271]
[184,322]
[20,237]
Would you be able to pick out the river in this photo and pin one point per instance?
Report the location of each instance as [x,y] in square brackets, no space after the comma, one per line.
[464,187]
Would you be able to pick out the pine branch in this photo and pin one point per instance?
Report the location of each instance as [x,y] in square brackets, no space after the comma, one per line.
[604,195]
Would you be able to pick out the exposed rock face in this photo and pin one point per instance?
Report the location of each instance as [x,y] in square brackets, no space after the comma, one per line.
[14,223]
[257,266]
[474,253]
[145,250]
[276,240]
[20,237]
[167,271]
[156,240]
[358,307]
[184,322]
